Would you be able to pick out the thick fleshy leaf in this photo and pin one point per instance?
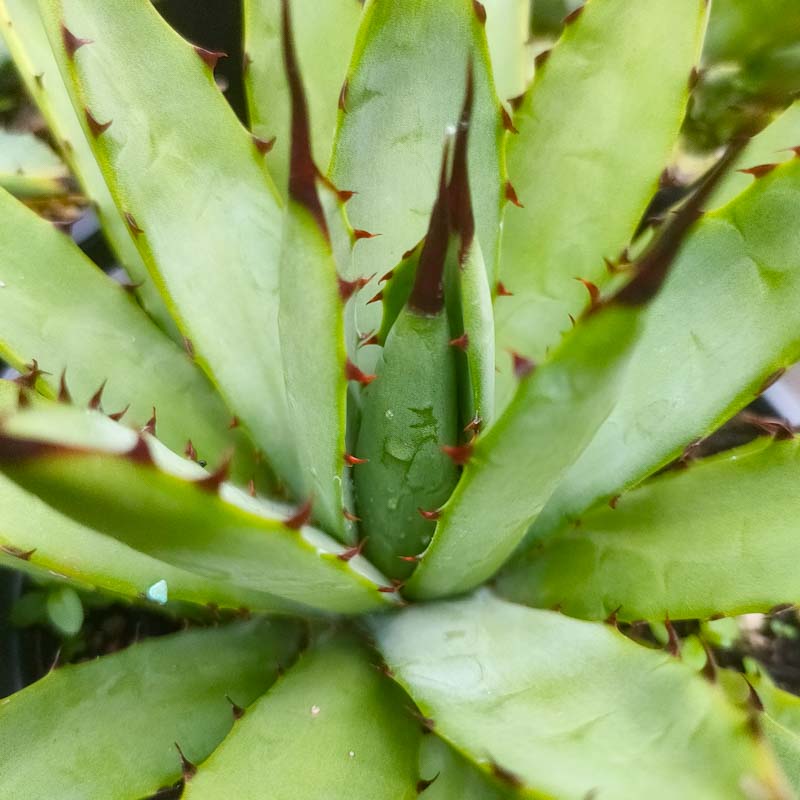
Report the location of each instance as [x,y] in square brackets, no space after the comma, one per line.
[29,168]
[404,90]
[206,218]
[56,307]
[724,326]
[715,538]
[133,489]
[581,167]
[508,24]
[514,468]
[333,727]
[772,146]
[558,705]
[21,25]
[108,728]
[780,723]
[324,35]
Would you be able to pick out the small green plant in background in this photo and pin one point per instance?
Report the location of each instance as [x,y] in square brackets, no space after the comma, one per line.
[380,403]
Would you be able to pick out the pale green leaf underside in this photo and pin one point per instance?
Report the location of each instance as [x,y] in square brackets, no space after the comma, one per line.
[108,728]
[209,214]
[58,308]
[720,537]
[332,728]
[518,463]
[727,318]
[405,88]
[22,28]
[91,475]
[29,168]
[311,324]
[508,24]
[595,130]
[562,704]
[324,34]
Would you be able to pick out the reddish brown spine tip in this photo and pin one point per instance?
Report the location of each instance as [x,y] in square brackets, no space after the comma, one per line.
[188,346]
[611,619]
[376,298]
[348,288]
[15,552]
[234,423]
[795,150]
[29,378]
[612,503]
[511,195]
[506,776]
[573,15]
[368,338]
[410,559]
[395,587]
[264,145]
[300,517]
[251,487]
[769,380]
[541,59]
[140,452]
[63,390]
[209,57]
[572,320]
[343,97]
[188,770]
[461,342]
[594,292]
[351,460]
[217,477]
[345,194]
[501,291]
[361,234]
[459,454]
[150,425]
[430,515]
[753,699]
[480,11]
[673,641]
[694,78]
[96,128]
[97,397]
[349,516]
[189,451]
[133,226]
[521,365]
[72,43]
[389,275]
[508,123]
[353,373]
[351,552]
[118,415]
[758,171]
[236,710]
[423,784]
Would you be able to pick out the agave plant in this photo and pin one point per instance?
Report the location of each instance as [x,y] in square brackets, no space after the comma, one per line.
[353,392]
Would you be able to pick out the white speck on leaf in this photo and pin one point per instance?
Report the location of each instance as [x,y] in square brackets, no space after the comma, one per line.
[158,592]
[314,711]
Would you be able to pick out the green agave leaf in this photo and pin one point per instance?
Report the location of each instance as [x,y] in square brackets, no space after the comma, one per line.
[781,722]
[583,171]
[333,707]
[403,91]
[56,307]
[508,26]
[133,489]
[206,218]
[515,466]
[21,25]
[29,168]
[556,705]
[729,313]
[311,320]
[324,35]
[773,145]
[715,538]
[119,717]
[397,285]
